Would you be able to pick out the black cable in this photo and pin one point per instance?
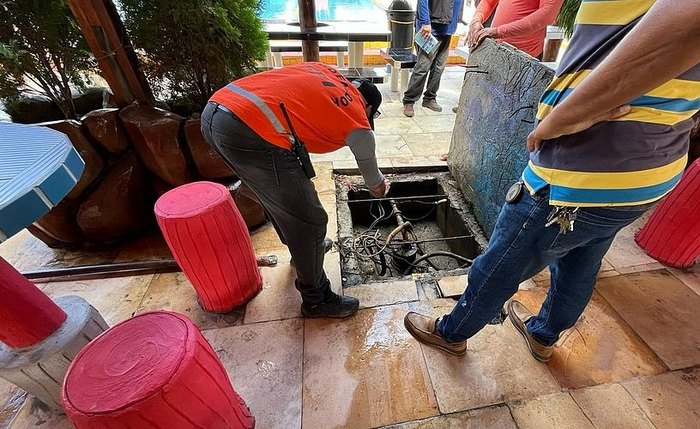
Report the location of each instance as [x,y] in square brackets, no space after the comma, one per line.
[466,261]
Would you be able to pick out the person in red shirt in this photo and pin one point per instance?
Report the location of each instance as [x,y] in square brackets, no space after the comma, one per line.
[521,23]
[265,125]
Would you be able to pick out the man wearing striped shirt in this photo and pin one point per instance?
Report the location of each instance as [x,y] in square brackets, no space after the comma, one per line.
[612,138]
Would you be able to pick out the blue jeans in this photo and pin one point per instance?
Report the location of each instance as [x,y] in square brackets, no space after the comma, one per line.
[520,247]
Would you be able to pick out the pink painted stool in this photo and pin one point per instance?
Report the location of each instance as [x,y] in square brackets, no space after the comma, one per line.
[210,241]
[153,371]
[672,234]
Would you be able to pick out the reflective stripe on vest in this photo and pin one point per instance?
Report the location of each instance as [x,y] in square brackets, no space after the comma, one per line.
[264,108]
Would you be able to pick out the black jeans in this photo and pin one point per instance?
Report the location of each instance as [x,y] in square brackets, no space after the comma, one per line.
[288,196]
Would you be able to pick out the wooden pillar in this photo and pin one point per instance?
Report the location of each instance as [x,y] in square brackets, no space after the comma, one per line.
[27,315]
[307,20]
[105,34]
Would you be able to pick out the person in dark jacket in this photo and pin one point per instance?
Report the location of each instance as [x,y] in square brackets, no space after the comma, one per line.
[439,18]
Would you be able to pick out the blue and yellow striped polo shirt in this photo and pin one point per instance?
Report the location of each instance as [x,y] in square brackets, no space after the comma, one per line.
[633,160]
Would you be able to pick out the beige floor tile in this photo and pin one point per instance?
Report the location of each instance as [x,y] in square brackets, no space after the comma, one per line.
[436,124]
[600,349]
[662,310]
[393,110]
[323,182]
[641,268]
[558,411]
[265,240]
[27,253]
[610,406]
[264,362]
[691,277]
[452,286]
[624,252]
[278,300]
[331,264]
[398,126]
[542,277]
[343,153]
[484,418]
[496,368]
[174,292]
[389,146]
[351,164]
[669,400]
[11,400]
[378,294]
[417,161]
[116,299]
[34,414]
[429,144]
[364,371]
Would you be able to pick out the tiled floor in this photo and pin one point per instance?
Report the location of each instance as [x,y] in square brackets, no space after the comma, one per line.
[632,361]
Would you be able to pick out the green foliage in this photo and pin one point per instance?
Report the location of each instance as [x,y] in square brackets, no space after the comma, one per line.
[193,47]
[567,16]
[41,45]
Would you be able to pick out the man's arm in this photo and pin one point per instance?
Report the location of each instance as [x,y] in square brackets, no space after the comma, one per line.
[423,16]
[545,15]
[483,11]
[663,45]
[362,144]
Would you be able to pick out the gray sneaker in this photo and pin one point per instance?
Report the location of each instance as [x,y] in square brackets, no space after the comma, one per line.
[408,110]
[432,105]
[519,315]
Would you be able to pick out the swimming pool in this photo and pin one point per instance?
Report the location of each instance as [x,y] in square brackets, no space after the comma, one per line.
[326,10]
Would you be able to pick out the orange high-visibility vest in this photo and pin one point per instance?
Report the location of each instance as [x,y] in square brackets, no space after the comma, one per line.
[323,106]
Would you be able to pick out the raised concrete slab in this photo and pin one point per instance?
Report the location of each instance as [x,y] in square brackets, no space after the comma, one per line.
[497,111]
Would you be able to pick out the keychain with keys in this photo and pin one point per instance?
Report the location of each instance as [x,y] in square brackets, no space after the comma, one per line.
[564,216]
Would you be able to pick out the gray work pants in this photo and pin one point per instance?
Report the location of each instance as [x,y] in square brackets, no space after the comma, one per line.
[288,196]
[430,67]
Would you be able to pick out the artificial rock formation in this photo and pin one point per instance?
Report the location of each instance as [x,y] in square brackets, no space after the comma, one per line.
[155,136]
[105,127]
[208,162]
[497,109]
[120,205]
[93,161]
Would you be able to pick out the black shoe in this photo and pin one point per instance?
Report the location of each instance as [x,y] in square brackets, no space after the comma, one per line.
[327,246]
[333,305]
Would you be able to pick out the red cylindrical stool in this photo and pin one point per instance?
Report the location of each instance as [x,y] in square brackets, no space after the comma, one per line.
[27,315]
[210,241]
[672,234]
[153,371]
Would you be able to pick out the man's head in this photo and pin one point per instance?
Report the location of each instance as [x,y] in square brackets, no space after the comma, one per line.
[372,96]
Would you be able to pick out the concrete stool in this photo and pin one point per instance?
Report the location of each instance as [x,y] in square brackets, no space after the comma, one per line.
[39,338]
[210,241]
[155,370]
[672,234]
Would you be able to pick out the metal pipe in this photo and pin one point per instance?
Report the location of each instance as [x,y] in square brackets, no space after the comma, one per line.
[123,269]
[396,198]
[432,240]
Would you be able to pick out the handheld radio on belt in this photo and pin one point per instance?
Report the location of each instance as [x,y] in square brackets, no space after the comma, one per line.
[299,149]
